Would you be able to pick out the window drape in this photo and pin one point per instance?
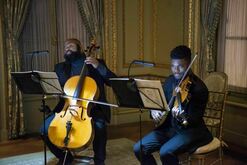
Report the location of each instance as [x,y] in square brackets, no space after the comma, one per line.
[45,31]
[36,36]
[211,11]
[235,47]
[14,16]
[92,17]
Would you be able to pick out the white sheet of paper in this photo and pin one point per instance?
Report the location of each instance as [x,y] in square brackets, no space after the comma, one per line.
[152,94]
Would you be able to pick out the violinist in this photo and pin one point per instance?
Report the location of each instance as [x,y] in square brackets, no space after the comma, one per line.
[183,130]
[75,58]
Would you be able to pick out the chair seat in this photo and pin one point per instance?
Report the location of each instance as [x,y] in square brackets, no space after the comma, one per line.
[214,144]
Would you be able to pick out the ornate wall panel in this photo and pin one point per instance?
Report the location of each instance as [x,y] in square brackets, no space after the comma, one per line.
[147,30]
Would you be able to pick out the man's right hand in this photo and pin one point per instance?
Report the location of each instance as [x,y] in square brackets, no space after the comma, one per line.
[156,115]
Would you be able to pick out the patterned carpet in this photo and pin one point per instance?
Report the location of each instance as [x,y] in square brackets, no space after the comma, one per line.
[119,152]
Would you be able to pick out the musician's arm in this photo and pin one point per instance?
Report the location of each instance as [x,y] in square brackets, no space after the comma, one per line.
[105,72]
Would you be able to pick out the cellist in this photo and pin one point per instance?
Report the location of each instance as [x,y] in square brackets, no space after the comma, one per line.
[184,128]
[75,58]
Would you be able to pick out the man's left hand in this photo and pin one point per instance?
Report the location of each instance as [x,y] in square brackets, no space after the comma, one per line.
[93,61]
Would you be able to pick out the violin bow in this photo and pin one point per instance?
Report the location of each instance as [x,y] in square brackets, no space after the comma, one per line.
[185,73]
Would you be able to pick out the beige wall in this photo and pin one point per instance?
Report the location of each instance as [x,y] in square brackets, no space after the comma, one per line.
[148,30]
[145,30]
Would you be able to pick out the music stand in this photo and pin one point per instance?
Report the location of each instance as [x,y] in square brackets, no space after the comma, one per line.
[141,94]
[138,93]
[126,92]
[41,83]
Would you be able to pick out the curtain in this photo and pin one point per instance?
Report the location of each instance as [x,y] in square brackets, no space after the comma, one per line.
[44,31]
[36,36]
[69,25]
[235,48]
[15,12]
[92,17]
[211,11]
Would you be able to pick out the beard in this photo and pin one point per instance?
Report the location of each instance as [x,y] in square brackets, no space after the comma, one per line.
[70,56]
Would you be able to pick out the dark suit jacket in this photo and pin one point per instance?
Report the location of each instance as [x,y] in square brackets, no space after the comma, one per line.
[100,75]
[194,110]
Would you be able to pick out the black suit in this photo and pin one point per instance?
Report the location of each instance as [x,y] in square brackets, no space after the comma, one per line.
[100,114]
[100,75]
[172,138]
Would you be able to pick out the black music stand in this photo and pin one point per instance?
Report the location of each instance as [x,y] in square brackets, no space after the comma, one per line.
[141,94]
[137,93]
[40,83]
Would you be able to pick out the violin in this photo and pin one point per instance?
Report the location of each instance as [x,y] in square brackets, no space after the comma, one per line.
[182,97]
[179,97]
[72,127]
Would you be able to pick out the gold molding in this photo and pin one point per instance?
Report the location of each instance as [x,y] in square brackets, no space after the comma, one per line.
[193,39]
[106,34]
[141,30]
[110,34]
[190,24]
[154,29]
[110,41]
[123,34]
[114,35]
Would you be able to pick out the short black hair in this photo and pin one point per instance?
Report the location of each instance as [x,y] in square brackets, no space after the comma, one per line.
[181,52]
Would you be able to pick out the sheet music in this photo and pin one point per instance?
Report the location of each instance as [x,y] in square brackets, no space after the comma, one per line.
[152,94]
[49,82]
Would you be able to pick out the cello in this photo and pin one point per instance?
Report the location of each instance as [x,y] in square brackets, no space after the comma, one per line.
[72,127]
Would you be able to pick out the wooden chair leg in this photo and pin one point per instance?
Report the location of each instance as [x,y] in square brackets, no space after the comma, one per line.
[221,155]
[189,160]
[203,161]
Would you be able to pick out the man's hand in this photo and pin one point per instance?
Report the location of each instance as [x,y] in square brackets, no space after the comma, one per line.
[156,115]
[176,112]
[93,61]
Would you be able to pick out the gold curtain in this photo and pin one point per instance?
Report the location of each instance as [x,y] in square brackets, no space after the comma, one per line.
[14,16]
[211,11]
[92,16]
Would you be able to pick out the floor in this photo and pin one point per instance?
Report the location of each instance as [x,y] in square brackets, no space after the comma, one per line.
[233,156]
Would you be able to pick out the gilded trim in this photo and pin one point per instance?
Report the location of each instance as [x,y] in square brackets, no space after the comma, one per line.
[190,24]
[141,30]
[123,34]
[154,30]
[193,38]
[196,35]
[114,36]
[106,34]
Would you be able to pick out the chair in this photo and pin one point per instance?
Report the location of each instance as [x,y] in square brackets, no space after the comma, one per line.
[213,117]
